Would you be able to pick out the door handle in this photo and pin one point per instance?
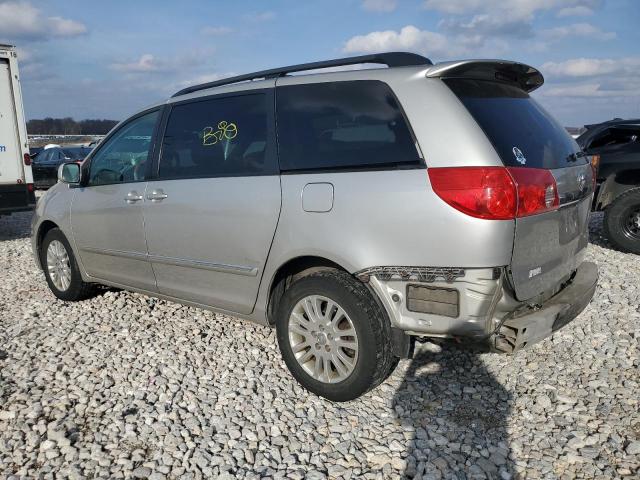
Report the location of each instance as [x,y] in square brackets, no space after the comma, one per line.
[157,195]
[132,197]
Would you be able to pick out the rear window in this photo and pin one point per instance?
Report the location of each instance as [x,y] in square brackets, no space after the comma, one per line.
[342,125]
[76,153]
[521,131]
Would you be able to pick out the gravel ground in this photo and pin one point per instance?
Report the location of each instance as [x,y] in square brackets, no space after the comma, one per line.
[125,386]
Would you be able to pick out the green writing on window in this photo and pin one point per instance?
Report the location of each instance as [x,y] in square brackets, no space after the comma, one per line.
[226,130]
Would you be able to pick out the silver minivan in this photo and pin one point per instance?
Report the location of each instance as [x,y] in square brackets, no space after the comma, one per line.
[356,211]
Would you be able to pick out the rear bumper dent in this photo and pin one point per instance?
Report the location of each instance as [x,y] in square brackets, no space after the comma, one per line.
[488,317]
[523,329]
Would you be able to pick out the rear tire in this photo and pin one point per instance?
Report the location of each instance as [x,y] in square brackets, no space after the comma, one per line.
[61,269]
[351,333]
[622,221]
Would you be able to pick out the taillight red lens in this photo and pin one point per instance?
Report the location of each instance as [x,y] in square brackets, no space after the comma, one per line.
[482,192]
[496,193]
[537,190]
[30,187]
[27,159]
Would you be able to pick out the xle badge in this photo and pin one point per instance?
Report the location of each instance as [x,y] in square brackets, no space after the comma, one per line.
[520,158]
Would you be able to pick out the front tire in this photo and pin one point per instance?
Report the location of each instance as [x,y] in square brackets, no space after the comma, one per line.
[622,221]
[333,336]
[61,269]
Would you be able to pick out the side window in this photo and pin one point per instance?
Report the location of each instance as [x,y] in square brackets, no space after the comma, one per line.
[123,158]
[44,156]
[225,136]
[54,155]
[342,125]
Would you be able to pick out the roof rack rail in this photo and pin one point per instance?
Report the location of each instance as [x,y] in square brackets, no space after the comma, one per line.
[391,59]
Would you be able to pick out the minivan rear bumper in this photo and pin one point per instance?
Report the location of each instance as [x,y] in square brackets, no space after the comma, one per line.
[476,307]
[526,327]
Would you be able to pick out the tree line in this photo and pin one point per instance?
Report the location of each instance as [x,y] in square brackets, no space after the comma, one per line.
[68,126]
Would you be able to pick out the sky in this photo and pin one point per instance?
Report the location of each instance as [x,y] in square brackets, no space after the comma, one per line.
[108,59]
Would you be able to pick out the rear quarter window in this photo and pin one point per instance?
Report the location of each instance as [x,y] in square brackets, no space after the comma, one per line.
[523,133]
[342,125]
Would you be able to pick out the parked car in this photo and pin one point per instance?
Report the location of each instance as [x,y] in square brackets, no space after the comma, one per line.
[617,144]
[45,164]
[35,151]
[352,210]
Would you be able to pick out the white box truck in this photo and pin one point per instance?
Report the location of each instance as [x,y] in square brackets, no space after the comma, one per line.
[16,181]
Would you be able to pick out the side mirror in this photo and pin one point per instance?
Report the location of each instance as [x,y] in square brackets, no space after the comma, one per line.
[69,173]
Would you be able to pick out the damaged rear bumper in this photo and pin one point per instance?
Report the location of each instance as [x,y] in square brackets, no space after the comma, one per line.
[528,326]
[475,306]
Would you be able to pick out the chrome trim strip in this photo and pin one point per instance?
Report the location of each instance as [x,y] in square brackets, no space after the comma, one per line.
[218,267]
[180,262]
[115,253]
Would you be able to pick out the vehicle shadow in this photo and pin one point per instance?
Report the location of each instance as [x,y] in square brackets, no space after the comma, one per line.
[457,413]
[15,226]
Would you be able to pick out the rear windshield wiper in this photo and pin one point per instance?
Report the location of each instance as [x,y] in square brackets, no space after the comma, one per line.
[573,157]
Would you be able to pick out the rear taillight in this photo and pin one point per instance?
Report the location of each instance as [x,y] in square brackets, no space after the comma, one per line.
[30,187]
[537,190]
[482,192]
[27,159]
[496,193]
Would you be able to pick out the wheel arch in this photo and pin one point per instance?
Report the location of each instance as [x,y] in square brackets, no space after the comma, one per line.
[615,185]
[290,271]
[45,227]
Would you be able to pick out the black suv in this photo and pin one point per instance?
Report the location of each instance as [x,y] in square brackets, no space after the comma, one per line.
[617,142]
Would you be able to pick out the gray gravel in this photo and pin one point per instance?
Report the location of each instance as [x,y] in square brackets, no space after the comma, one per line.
[126,386]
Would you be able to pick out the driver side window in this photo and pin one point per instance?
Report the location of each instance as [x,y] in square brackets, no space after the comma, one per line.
[123,158]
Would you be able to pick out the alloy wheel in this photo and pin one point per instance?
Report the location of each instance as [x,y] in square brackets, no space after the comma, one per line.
[58,265]
[323,339]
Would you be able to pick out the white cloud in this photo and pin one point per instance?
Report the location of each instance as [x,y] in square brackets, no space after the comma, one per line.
[146,63]
[487,19]
[589,90]
[23,21]
[408,38]
[380,5]
[456,7]
[592,67]
[260,16]
[489,25]
[577,11]
[204,78]
[149,63]
[64,27]
[580,90]
[216,31]
[577,30]
[515,8]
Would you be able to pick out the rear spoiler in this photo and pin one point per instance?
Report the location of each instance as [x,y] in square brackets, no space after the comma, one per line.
[526,77]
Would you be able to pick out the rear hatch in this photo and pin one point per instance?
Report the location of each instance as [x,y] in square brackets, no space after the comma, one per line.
[547,246]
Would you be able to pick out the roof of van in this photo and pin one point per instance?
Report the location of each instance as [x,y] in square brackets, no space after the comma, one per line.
[527,77]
